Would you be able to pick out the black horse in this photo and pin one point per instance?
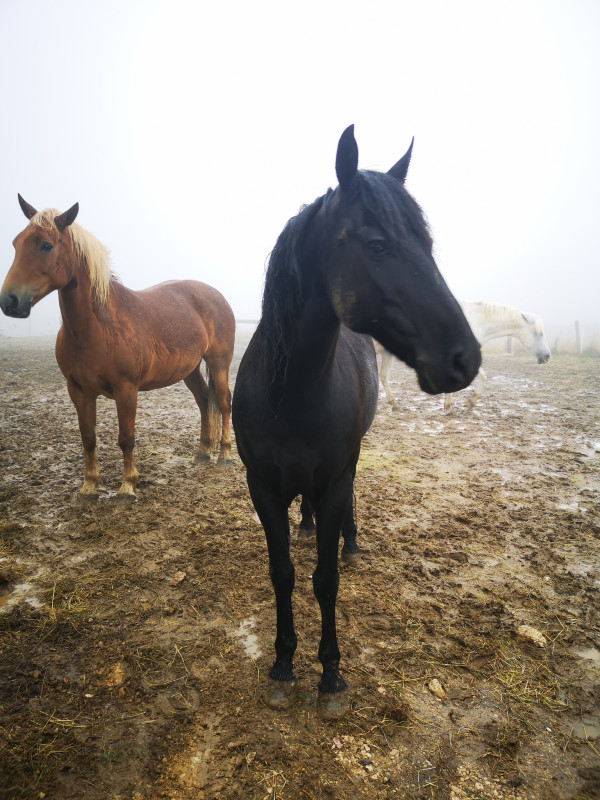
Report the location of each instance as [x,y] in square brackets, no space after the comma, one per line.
[355,264]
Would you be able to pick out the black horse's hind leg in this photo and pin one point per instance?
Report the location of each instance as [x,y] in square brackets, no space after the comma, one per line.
[350,548]
[306,529]
[273,514]
[307,526]
[331,510]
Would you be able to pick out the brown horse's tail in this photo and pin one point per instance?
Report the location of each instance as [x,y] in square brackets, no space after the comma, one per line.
[214,414]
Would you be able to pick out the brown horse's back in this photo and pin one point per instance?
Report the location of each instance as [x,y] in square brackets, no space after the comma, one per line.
[150,338]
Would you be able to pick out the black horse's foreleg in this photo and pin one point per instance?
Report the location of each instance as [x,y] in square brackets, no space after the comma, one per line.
[273,513]
[331,510]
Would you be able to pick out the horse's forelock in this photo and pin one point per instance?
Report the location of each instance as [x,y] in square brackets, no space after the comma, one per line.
[45,219]
[392,208]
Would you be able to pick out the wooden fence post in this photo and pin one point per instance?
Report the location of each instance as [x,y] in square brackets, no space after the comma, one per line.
[578,342]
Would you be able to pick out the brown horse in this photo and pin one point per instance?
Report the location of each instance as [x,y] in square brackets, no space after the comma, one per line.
[116,342]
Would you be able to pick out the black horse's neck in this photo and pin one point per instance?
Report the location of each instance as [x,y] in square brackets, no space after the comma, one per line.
[298,329]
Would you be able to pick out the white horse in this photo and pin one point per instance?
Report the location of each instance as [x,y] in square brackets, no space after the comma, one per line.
[487,321]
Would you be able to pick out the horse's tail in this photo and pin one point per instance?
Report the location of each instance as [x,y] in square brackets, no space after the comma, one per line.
[214,414]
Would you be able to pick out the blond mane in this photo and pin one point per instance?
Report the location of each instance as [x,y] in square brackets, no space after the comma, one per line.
[87,248]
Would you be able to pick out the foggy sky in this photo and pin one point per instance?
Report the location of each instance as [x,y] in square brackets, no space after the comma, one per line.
[190,132]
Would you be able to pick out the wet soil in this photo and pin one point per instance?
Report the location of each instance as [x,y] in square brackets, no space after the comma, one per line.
[135,639]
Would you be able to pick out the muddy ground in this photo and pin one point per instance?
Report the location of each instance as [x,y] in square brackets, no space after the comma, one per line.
[135,639]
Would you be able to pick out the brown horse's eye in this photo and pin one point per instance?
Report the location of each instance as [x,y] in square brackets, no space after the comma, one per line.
[46,247]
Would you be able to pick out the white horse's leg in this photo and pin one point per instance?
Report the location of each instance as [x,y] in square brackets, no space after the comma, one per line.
[476,394]
[448,403]
[387,359]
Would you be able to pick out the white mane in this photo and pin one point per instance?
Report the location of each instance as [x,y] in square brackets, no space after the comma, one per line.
[487,319]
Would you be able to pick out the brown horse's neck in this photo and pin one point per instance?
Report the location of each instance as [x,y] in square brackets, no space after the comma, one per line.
[81,311]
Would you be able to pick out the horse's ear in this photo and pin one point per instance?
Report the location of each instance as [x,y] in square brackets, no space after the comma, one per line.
[346,160]
[527,318]
[67,217]
[28,210]
[400,168]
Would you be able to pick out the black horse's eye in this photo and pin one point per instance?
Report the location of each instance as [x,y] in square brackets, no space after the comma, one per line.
[47,247]
[377,246]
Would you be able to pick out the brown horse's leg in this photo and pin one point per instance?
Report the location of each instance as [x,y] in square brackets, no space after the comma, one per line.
[86,414]
[219,370]
[126,400]
[197,386]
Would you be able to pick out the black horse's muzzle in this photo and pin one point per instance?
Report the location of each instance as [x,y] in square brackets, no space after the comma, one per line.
[14,305]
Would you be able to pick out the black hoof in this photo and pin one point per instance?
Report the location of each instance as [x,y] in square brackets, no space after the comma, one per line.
[350,551]
[333,705]
[280,695]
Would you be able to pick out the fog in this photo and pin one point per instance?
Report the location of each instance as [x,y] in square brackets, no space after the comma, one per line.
[190,132]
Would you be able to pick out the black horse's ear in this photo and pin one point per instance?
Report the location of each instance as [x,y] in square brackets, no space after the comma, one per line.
[28,210]
[400,169]
[67,217]
[346,160]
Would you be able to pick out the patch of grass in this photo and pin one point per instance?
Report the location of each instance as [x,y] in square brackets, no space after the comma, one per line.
[110,756]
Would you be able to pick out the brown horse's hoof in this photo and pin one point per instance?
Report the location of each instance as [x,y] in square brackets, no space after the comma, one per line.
[87,497]
[333,706]
[280,695]
[202,458]
[125,499]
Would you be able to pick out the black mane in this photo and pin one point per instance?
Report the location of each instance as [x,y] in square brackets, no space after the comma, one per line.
[283,296]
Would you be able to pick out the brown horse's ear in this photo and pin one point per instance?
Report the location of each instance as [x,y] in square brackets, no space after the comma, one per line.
[400,169]
[67,217]
[346,160]
[28,210]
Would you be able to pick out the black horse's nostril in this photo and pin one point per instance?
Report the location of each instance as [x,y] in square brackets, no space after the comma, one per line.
[463,365]
[459,363]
